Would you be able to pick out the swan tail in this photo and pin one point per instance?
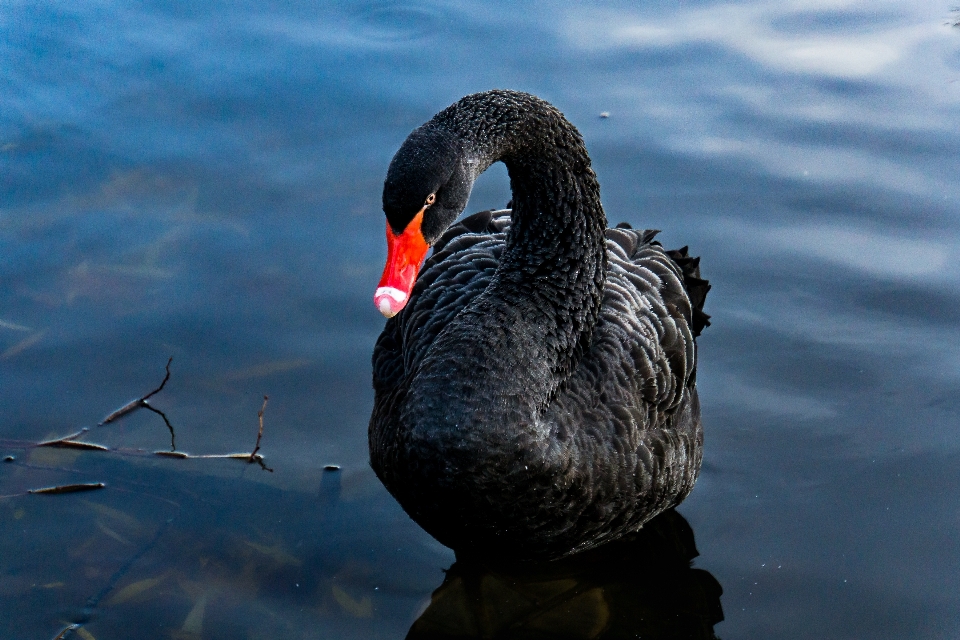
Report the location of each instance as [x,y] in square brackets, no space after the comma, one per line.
[631,240]
[696,286]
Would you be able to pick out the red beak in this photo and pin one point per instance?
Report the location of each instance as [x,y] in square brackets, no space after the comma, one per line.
[405,254]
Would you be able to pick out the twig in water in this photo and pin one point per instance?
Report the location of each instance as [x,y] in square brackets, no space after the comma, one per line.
[71,442]
[173,436]
[24,445]
[254,456]
[260,432]
[68,442]
[162,384]
[133,405]
[69,488]
[63,634]
[53,443]
[172,454]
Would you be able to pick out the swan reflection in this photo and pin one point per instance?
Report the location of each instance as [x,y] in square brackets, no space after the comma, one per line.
[643,587]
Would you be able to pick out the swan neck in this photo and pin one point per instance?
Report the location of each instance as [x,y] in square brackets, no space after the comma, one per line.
[551,273]
[557,230]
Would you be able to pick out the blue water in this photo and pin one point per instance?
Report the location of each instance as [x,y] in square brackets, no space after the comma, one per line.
[202,181]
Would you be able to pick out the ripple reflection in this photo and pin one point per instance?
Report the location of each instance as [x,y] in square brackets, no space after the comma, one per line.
[394,23]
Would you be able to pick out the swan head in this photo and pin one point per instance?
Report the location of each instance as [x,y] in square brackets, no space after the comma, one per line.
[426,189]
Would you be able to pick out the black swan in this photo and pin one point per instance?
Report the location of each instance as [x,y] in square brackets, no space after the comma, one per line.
[534,385]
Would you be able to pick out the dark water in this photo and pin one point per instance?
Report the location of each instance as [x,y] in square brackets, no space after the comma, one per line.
[202,181]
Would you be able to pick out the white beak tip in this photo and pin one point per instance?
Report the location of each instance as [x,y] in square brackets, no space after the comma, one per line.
[385,308]
[389,300]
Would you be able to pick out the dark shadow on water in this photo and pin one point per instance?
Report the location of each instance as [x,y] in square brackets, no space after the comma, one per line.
[643,587]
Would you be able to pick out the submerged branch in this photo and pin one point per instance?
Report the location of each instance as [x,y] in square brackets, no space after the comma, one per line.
[68,442]
[141,403]
[62,488]
[173,436]
[162,384]
[71,442]
[93,601]
[63,634]
[69,488]
[130,407]
[254,456]
[23,445]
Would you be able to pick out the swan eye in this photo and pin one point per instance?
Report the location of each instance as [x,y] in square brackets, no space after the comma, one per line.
[430,200]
